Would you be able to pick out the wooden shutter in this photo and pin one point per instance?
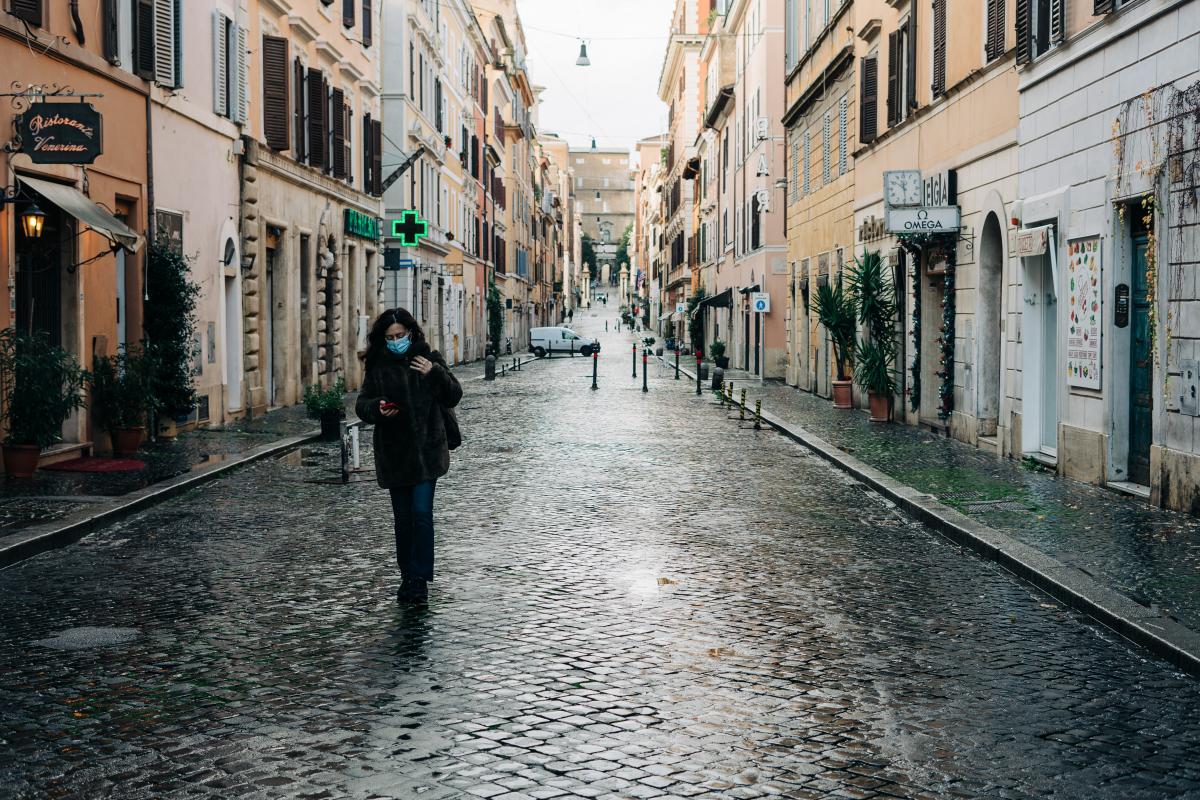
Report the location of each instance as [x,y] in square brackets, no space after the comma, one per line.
[910,69]
[220,64]
[1023,25]
[28,10]
[1102,7]
[893,102]
[276,116]
[348,13]
[995,29]
[239,101]
[316,118]
[112,30]
[300,151]
[377,156]
[339,133]
[143,39]
[367,23]
[368,161]
[164,42]
[1058,21]
[939,47]
[868,101]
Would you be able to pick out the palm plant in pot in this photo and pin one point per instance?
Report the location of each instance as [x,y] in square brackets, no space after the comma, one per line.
[835,310]
[123,396]
[40,386]
[327,405]
[717,351]
[874,301]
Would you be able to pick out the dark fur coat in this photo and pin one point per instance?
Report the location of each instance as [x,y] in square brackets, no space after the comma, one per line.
[410,448]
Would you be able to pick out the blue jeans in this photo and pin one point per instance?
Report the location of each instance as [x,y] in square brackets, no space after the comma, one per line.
[413,509]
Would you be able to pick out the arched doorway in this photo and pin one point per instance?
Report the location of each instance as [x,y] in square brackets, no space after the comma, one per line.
[989,336]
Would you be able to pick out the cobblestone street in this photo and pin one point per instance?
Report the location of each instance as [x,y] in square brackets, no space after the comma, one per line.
[636,597]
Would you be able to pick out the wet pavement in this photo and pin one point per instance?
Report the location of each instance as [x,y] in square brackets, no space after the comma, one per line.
[636,597]
[1147,553]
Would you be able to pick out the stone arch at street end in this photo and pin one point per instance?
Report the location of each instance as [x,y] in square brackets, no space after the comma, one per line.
[989,337]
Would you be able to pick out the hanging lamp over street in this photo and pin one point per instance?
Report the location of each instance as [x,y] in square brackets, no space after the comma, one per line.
[583,60]
[32,222]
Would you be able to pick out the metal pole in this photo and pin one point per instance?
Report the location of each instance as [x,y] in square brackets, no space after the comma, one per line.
[698,359]
[645,371]
[635,359]
[677,361]
[742,408]
[758,415]
[595,362]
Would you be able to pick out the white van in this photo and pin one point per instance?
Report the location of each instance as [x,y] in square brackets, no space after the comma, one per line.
[547,341]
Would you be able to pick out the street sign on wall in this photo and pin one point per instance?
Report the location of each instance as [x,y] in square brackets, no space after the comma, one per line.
[760,302]
[924,219]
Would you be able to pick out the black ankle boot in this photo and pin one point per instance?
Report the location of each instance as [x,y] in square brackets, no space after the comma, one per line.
[420,592]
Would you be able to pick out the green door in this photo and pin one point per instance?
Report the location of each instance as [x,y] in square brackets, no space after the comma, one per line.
[1141,395]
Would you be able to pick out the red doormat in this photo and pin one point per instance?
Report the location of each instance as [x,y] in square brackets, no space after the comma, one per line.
[94,464]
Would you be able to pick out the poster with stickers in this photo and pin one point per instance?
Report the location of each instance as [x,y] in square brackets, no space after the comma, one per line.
[1084,310]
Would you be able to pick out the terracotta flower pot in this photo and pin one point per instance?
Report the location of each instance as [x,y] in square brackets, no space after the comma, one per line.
[126,441]
[842,395]
[879,407]
[21,460]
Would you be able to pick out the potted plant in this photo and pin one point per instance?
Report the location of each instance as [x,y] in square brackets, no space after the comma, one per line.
[875,307]
[835,310]
[327,405]
[122,390]
[717,351]
[40,386]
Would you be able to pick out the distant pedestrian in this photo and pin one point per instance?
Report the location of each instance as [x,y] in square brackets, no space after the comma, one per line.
[571,315]
[406,395]
[606,326]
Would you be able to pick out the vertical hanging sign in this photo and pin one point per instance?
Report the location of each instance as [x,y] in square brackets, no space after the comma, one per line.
[1084,313]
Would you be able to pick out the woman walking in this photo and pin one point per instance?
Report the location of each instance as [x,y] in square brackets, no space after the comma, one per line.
[407,385]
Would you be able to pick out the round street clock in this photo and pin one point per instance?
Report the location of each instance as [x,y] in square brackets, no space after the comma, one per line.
[902,187]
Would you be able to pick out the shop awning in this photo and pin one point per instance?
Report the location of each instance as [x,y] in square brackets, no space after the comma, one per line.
[665,316]
[719,300]
[76,203]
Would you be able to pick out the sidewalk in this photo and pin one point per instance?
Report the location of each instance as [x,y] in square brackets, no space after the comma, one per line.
[1146,553]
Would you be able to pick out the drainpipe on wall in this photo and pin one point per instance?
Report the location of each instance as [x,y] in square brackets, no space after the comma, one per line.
[150,228]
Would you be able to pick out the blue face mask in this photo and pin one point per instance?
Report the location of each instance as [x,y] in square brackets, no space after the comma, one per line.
[400,347]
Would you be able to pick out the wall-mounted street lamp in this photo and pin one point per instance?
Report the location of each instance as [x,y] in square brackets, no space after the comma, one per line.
[32,222]
[583,60]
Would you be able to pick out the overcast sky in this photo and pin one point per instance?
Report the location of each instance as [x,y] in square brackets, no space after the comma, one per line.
[616,98]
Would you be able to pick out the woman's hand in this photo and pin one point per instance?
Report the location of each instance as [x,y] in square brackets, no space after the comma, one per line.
[422,365]
[387,411]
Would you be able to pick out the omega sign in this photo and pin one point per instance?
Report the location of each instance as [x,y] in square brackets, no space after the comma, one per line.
[61,133]
[924,219]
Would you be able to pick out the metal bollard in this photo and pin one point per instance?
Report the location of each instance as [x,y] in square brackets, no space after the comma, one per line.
[635,359]
[742,408]
[698,359]
[489,368]
[721,394]
[595,363]
[676,361]
[729,394]
[645,371]
[758,415]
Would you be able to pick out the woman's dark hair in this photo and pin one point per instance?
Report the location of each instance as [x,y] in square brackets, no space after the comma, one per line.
[377,344]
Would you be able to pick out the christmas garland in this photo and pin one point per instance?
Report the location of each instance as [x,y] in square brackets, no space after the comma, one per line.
[933,243]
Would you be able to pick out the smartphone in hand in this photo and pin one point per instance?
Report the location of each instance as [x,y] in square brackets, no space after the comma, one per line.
[388,405]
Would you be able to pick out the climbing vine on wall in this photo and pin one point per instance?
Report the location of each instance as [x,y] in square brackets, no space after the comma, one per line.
[1158,131]
[914,395]
[932,245]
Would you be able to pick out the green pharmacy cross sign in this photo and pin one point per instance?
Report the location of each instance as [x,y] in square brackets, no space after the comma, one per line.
[409,228]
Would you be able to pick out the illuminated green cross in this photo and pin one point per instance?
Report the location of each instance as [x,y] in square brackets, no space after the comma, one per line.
[410,228]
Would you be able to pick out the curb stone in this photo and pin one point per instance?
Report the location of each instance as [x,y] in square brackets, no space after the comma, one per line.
[41,538]
[1160,634]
